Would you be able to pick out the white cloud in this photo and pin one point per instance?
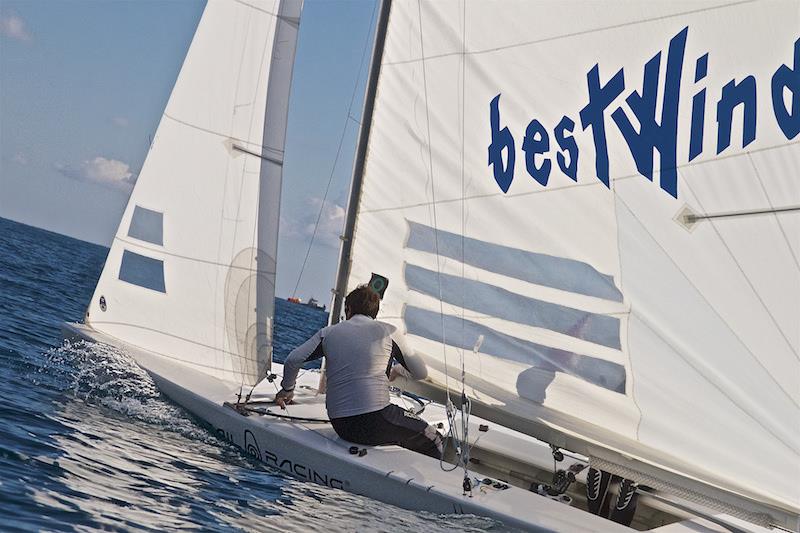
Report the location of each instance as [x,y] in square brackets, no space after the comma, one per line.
[122,122]
[108,172]
[331,223]
[20,159]
[13,27]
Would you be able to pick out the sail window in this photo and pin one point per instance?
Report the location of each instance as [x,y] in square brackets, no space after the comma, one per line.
[142,271]
[147,225]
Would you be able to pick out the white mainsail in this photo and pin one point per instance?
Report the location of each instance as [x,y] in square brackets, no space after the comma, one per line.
[191,272]
[511,196]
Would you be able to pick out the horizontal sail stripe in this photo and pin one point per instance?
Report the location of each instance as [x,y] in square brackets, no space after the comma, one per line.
[541,269]
[544,337]
[501,303]
[516,286]
[464,334]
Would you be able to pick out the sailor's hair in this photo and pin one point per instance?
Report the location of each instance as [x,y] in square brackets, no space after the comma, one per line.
[363,301]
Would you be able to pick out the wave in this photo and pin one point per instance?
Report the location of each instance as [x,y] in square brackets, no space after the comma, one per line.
[105,376]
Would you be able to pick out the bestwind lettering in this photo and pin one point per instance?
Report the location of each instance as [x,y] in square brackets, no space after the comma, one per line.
[655,133]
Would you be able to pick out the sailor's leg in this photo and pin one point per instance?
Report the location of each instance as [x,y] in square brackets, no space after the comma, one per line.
[390,425]
[625,504]
[597,482]
[410,431]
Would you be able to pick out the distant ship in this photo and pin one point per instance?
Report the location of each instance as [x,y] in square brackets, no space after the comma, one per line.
[310,303]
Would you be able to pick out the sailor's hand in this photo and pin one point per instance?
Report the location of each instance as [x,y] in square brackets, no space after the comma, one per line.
[284,397]
[397,371]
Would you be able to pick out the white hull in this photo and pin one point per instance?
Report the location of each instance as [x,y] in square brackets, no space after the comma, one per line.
[313,452]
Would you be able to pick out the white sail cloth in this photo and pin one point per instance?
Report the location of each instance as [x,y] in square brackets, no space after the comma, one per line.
[199,234]
[675,338]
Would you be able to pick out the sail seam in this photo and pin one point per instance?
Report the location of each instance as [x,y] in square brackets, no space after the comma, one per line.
[222,135]
[195,259]
[772,206]
[261,9]
[568,35]
[551,188]
[190,341]
[630,378]
[701,373]
[745,276]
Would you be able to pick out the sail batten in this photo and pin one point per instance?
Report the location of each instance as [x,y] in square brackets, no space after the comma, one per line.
[537,178]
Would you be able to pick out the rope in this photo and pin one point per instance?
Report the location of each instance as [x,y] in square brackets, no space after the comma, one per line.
[466,405]
[433,204]
[338,152]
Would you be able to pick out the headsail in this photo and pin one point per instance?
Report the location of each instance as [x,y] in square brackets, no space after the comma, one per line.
[191,272]
[511,193]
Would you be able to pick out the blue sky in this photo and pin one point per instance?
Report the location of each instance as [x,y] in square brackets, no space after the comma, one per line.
[83,85]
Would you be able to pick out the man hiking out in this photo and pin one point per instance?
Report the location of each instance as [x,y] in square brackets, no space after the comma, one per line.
[362,356]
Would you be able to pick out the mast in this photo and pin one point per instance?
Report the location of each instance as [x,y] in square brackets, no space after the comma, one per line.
[343,271]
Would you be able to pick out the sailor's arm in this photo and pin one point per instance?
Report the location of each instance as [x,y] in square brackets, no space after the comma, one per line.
[308,351]
[410,365]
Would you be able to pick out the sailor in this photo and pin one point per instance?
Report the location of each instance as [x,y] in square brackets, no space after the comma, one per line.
[362,356]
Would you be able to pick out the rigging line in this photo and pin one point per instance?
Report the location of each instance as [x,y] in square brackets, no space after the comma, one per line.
[750,212]
[714,309]
[338,149]
[465,409]
[433,196]
[746,277]
[574,34]
[777,219]
[463,191]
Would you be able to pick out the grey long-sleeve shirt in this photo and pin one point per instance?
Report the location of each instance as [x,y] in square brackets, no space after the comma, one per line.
[358,354]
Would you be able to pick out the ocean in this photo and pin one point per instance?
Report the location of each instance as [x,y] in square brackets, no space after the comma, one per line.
[88,443]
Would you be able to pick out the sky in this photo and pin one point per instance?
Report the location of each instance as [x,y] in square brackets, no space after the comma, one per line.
[83,85]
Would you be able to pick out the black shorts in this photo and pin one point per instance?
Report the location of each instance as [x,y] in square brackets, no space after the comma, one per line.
[390,425]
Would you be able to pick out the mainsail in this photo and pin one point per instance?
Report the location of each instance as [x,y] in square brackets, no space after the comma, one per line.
[191,271]
[593,209]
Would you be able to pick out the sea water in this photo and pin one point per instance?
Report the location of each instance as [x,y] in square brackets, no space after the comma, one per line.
[88,443]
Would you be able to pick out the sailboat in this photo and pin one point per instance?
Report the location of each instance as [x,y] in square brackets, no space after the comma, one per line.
[593,315]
